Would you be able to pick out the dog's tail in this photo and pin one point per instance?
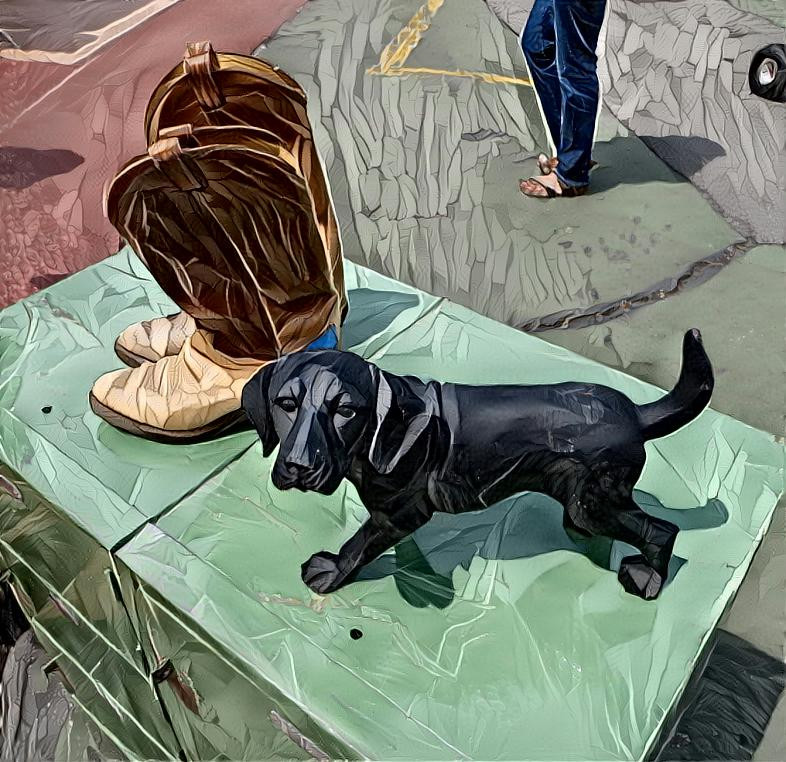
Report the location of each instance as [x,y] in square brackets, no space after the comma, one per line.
[687,399]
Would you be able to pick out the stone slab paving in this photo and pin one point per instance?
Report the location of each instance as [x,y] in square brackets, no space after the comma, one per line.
[741,313]
[424,169]
[675,72]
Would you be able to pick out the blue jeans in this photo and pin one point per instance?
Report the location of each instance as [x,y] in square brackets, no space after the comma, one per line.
[559,42]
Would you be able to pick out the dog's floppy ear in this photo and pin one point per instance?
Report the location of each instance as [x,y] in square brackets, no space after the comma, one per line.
[402,417]
[256,402]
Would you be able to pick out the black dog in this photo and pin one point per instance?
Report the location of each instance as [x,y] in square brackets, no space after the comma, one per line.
[412,448]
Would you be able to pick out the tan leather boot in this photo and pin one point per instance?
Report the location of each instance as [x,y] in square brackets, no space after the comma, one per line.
[188,396]
[151,340]
[226,223]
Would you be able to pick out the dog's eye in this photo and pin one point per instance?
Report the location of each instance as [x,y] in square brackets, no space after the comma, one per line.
[287,404]
[345,411]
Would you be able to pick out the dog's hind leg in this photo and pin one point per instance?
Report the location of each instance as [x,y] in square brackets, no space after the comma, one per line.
[645,574]
[604,506]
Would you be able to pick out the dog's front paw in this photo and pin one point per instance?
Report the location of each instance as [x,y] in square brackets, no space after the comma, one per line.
[322,574]
[639,578]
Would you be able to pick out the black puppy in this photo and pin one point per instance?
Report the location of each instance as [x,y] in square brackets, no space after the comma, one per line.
[412,448]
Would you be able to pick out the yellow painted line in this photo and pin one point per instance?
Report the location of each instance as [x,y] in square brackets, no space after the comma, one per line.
[398,49]
[395,54]
[492,79]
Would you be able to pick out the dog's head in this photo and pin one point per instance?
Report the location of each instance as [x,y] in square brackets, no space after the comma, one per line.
[326,408]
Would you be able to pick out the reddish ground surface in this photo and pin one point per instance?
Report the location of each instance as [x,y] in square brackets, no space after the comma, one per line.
[64,130]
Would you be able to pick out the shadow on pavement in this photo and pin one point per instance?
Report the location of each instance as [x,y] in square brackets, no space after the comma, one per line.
[619,165]
[685,154]
[22,167]
[728,705]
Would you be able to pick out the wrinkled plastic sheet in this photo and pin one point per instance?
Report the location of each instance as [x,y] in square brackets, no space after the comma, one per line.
[484,636]
[53,346]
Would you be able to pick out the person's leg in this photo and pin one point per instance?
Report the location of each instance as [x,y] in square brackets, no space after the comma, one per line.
[538,42]
[578,24]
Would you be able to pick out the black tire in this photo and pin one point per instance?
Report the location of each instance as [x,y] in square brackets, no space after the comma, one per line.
[767,74]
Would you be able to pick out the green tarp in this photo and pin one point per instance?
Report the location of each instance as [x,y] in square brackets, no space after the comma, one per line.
[166,579]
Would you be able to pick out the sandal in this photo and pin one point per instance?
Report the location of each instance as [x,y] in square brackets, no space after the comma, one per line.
[568,191]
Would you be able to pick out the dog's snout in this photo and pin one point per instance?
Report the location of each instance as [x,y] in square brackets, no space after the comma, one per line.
[300,453]
[307,458]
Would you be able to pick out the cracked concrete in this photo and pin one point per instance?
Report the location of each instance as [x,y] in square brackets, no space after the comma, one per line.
[742,315]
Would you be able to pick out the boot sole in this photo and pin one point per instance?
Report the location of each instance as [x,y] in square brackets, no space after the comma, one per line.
[226,424]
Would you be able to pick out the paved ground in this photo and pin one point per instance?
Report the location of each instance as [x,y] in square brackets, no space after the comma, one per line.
[675,72]
[425,140]
[88,118]
[67,32]
[425,181]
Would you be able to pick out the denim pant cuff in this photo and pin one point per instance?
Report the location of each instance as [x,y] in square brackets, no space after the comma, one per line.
[571,183]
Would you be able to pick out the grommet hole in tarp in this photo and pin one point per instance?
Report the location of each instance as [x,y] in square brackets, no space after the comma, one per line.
[185,693]
[162,673]
[355,633]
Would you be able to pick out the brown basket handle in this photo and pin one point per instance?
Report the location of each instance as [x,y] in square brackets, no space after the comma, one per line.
[180,169]
[200,63]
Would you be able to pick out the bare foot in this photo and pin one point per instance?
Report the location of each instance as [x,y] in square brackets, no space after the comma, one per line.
[547,164]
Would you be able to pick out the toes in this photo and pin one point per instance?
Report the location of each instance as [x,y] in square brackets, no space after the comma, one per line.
[532,188]
[639,578]
[547,164]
